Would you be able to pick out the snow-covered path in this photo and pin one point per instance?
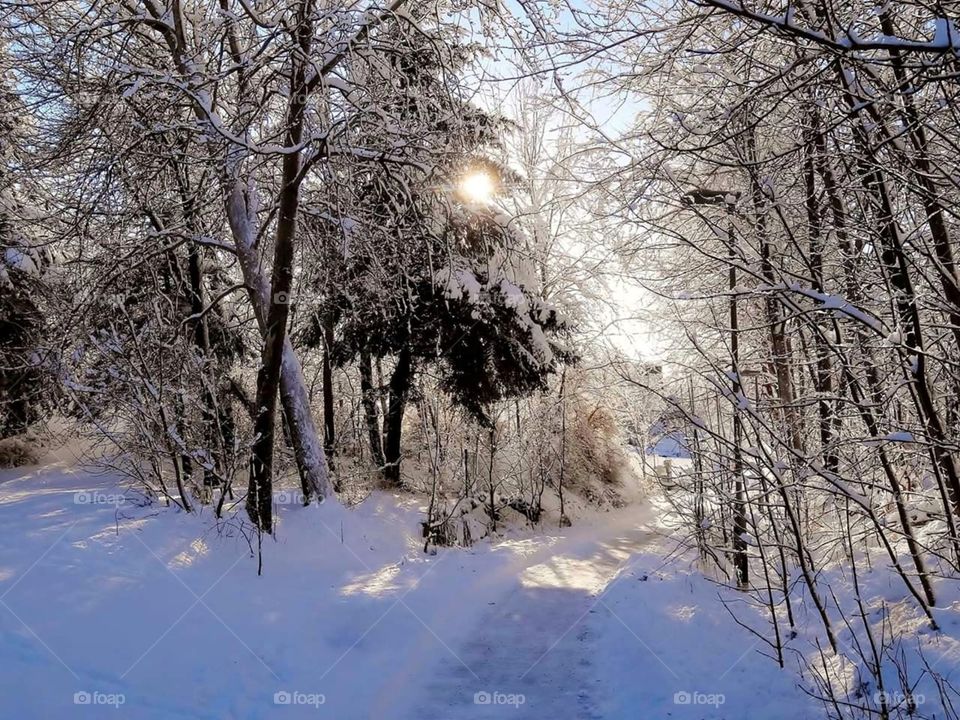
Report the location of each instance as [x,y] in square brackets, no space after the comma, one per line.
[602,622]
[531,650]
[163,614]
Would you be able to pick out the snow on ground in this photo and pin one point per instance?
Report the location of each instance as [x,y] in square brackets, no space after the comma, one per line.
[111,609]
[671,649]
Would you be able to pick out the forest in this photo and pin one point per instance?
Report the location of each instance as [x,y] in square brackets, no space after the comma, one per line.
[639,321]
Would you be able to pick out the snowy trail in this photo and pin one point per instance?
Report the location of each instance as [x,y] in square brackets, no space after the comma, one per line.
[531,653]
[101,597]
[601,621]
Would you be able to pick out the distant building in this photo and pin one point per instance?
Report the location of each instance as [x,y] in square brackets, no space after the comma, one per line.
[667,442]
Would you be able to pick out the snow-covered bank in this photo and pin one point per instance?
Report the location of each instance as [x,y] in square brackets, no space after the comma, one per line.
[165,611]
[159,614]
[672,651]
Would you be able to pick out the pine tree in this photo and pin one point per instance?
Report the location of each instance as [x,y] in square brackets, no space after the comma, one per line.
[22,287]
[435,280]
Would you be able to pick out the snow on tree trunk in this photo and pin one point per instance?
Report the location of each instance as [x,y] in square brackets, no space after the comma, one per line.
[311,460]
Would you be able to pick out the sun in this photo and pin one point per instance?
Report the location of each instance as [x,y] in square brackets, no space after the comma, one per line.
[478,187]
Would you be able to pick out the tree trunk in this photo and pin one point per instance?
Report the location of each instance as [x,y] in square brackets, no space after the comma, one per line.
[740,559]
[260,491]
[307,449]
[399,389]
[896,267]
[329,421]
[370,410]
[823,377]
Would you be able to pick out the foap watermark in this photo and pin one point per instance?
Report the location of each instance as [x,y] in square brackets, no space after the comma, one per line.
[684,697]
[95,697]
[92,497]
[484,697]
[288,497]
[899,699]
[296,697]
[298,298]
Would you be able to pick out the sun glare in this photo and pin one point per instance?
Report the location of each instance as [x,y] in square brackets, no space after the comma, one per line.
[477,187]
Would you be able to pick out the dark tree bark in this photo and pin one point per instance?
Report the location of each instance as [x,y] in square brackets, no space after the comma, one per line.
[260,491]
[896,267]
[399,390]
[863,404]
[371,415]
[823,377]
[329,420]
[740,559]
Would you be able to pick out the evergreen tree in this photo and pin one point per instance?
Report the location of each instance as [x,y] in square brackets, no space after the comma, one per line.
[423,274]
[22,286]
